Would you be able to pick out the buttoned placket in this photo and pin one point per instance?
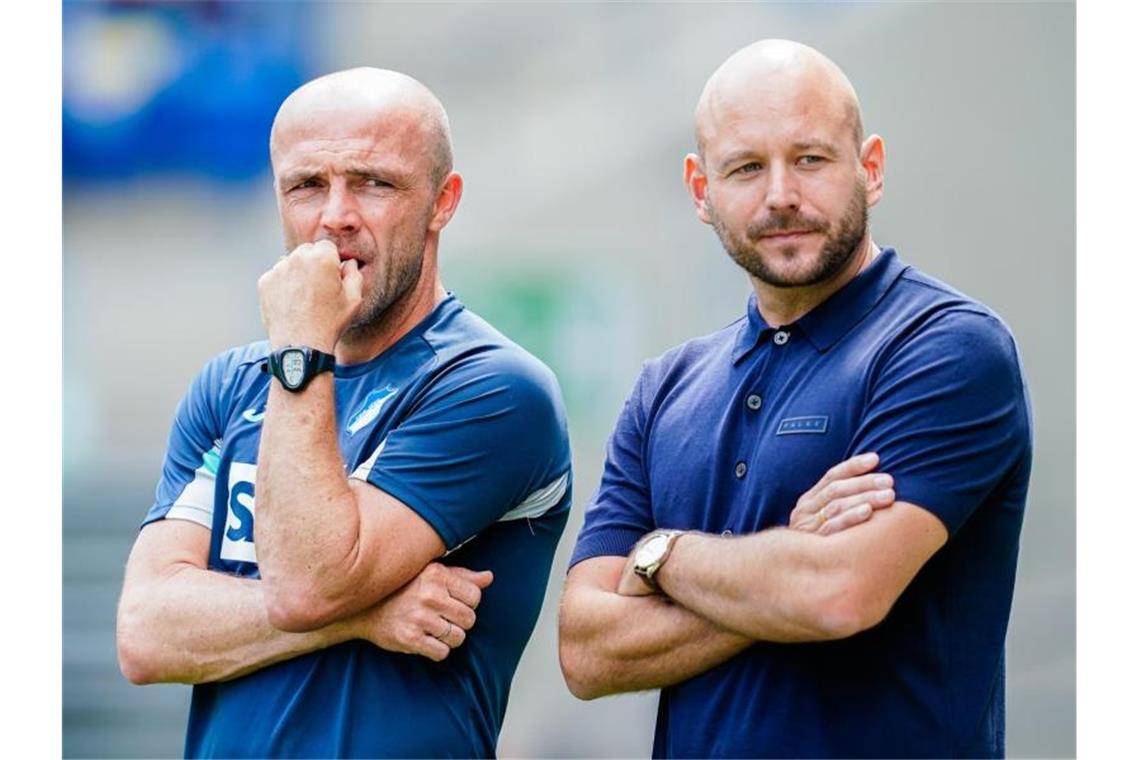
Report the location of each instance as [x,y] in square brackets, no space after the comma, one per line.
[754,400]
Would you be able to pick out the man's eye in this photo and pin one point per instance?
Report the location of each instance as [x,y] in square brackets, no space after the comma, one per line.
[748,168]
[304,184]
[376,182]
[810,160]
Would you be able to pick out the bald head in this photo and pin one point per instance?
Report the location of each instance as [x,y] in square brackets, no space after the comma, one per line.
[776,74]
[368,94]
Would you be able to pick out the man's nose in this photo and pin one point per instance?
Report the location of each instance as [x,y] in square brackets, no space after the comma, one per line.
[340,213]
[783,192]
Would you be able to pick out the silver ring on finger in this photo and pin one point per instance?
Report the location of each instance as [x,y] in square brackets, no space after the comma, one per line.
[446,633]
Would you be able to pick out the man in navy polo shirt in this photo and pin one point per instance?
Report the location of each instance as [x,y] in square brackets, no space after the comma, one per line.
[305,563]
[765,637]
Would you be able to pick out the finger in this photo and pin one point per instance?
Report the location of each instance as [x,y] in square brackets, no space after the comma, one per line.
[848,468]
[455,637]
[432,648]
[465,591]
[324,249]
[812,521]
[481,578]
[351,279]
[845,519]
[459,613]
[822,494]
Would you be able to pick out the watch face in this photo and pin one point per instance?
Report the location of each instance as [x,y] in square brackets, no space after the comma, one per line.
[652,551]
[293,367]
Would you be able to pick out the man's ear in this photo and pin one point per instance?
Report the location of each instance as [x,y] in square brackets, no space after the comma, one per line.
[872,159]
[446,202]
[697,184]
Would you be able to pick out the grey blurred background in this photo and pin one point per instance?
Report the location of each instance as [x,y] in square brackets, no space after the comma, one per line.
[575,236]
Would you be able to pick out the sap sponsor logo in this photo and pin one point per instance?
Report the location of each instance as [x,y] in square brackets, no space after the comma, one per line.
[237,539]
[370,409]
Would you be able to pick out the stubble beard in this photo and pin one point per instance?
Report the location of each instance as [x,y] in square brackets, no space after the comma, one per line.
[839,246]
[394,279]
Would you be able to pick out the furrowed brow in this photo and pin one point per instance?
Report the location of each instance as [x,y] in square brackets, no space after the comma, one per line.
[820,145]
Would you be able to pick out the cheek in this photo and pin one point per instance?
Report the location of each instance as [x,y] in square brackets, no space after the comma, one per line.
[300,222]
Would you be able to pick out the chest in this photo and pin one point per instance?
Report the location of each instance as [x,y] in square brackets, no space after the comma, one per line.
[731,450]
[367,409]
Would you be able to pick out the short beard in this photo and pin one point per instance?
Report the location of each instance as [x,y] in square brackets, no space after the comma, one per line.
[838,248]
[401,274]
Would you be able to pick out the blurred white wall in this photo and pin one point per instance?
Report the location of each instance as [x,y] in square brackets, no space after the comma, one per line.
[576,236]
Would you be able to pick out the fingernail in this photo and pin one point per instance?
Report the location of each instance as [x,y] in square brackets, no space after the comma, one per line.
[883,481]
[863,510]
[884,495]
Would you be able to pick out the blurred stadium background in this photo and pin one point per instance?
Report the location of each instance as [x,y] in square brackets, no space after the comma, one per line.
[575,237]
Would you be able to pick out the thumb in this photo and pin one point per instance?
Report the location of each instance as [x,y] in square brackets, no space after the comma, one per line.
[351,280]
[481,578]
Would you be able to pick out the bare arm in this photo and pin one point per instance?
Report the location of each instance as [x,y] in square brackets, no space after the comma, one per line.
[610,643]
[327,546]
[180,622]
[787,585]
[616,635]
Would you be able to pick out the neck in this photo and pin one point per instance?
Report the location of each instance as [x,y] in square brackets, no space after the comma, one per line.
[782,306]
[369,341]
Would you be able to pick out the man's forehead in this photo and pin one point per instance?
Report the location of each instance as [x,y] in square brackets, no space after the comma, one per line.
[328,132]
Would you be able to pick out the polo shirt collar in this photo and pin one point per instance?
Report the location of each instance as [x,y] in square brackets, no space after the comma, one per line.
[831,320]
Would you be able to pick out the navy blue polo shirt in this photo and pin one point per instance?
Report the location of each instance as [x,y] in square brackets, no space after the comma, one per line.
[723,434]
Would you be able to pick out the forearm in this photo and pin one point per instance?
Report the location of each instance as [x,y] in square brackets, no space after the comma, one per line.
[308,525]
[776,585]
[610,643]
[194,626]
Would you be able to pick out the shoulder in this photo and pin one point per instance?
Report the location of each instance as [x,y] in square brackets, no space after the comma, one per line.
[225,375]
[229,365]
[943,317]
[694,357]
[474,360]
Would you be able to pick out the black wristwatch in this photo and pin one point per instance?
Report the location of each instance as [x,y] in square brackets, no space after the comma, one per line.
[295,366]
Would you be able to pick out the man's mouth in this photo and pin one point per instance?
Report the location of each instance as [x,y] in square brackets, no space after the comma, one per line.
[349,256]
[786,236]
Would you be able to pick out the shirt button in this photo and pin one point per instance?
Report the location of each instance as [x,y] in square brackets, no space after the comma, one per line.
[780,338]
[726,532]
[754,402]
[741,468]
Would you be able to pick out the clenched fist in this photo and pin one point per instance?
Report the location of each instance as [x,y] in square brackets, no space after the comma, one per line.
[309,297]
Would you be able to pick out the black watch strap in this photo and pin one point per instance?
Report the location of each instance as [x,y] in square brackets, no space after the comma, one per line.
[296,366]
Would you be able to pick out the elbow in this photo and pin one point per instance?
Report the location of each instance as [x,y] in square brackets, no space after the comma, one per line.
[579,669]
[297,610]
[850,608]
[579,679]
[139,658]
[135,666]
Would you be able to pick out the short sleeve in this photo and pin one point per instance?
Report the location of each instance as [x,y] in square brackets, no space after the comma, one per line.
[186,489]
[621,511]
[486,441]
[949,415]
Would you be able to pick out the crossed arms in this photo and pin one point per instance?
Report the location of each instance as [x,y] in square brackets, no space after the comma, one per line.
[340,560]
[722,594]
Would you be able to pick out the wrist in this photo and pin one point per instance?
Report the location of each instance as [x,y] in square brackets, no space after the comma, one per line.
[307,338]
[667,575]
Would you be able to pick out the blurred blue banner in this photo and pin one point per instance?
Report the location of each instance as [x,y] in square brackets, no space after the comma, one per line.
[187,87]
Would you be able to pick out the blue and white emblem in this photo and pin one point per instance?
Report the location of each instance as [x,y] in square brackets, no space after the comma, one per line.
[370,409]
[252,415]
